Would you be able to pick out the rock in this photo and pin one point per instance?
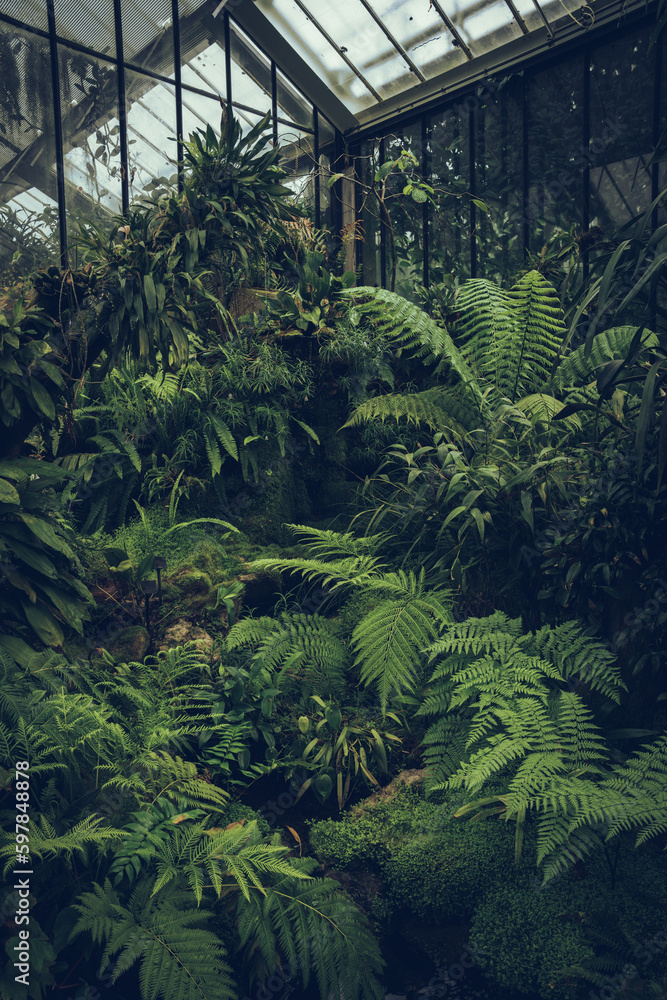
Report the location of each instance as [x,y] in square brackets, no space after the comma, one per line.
[408,777]
[191,583]
[184,631]
[130,645]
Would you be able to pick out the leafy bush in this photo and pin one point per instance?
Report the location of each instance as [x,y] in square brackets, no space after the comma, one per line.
[535,938]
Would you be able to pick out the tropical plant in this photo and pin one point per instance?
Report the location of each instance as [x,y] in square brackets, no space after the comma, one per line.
[512,706]
[41,586]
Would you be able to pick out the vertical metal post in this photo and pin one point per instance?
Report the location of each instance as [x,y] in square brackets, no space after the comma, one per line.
[316,157]
[657,110]
[176,29]
[655,169]
[473,192]
[586,141]
[58,133]
[426,207]
[526,173]
[274,101]
[228,60]
[383,234]
[122,110]
[358,201]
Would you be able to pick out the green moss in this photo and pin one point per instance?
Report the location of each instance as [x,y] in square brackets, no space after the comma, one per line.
[284,500]
[531,934]
[238,811]
[431,864]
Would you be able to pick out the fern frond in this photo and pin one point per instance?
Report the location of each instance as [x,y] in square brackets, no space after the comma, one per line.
[180,959]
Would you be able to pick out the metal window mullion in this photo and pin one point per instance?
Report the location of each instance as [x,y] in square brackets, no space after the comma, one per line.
[525,215]
[383,232]
[316,156]
[473,192]
[458,38]
[426,207]
[228,58]
[122,110]
[274,101]
[58,133]
[357,72]
[586,128]
[397,45]
[517,16]
[178,91]
[655,168]
[539,10]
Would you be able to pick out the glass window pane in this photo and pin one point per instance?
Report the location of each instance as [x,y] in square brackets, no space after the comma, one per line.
[206,71]
[621,129]
[406,214]
[147,35]
[151,132]
[498,173]
[555,132]
[291,102]
[449,229]
[88,22]
[91,142]
[251,72]
[28,192]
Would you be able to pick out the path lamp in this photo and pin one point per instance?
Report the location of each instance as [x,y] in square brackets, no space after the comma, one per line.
[149,587]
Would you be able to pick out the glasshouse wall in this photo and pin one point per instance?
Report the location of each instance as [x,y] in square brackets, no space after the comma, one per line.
[129,79]
[562,145]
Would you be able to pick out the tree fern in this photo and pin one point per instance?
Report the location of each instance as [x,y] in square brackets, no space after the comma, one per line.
[179,958]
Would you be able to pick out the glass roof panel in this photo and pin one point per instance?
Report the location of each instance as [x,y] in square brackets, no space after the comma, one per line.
[207,71]
[311,44]
[425,38]
[251,72]
[90,23]
[487,26]
[29,11]
[370,50]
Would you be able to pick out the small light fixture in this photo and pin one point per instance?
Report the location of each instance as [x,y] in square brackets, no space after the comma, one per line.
[148,587]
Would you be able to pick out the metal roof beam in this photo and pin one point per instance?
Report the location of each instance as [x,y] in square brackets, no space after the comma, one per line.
[507,58]
[290,62]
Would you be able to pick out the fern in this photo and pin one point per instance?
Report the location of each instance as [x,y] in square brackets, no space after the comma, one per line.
[390,638]
[309,640]
[180,959]
[609,345]
[310,926]
[503,707]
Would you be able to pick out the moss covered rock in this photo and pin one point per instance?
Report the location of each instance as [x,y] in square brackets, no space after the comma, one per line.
[130,645]
[430,864]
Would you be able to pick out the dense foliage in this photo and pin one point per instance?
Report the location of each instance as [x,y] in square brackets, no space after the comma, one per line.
[273,546]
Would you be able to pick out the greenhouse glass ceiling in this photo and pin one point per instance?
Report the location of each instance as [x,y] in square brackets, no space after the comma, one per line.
[372,50]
